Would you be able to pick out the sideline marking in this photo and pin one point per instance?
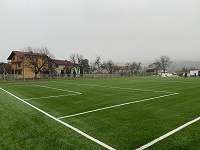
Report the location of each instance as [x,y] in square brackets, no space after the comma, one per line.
[138,101]
[63,123]
[168,134]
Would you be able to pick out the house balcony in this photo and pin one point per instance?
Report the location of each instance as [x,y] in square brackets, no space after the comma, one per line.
[17,68]
[15,61]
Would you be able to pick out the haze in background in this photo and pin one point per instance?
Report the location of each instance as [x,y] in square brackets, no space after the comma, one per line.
[121,30]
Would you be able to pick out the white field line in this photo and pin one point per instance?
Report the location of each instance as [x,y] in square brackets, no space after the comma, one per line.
[58,89]
[99,86]
[138,101]
[121,88]
[63,123]
[49,97]
[45,97]
[168,134]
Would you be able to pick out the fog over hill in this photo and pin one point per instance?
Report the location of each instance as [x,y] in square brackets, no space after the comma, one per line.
[176,65]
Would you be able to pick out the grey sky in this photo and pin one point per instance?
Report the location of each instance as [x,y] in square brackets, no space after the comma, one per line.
[121,30]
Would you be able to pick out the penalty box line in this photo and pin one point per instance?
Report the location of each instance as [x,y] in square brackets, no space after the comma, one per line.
[49,97]
[35,98]
[121,88]
[63,123]
[58,89]
[119,105]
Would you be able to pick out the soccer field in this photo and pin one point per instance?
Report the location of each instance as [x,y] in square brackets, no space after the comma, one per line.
[118,113]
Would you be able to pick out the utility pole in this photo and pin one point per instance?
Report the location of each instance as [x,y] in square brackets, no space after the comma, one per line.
[4,74]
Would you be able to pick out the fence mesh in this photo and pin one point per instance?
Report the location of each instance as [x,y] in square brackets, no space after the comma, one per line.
[14,77]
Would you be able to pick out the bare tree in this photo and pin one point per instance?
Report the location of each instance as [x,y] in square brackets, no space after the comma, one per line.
[5,66]
[156,65]
[92,67]
[98,63]
[135,67]
[85,66]
[184,69]
[81,64]
[110,66]
[74,60]
[79,58]
[37,58]
[162,63]
[138,67]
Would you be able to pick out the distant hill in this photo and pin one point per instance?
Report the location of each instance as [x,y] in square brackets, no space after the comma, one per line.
[178,65]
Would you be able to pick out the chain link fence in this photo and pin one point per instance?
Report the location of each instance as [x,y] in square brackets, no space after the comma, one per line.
[14,77]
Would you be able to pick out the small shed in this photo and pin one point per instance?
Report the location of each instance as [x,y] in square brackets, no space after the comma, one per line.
[194,73]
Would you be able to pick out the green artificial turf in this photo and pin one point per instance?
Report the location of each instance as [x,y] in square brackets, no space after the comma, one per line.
[125,127]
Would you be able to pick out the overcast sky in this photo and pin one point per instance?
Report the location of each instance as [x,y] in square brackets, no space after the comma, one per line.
[121,30]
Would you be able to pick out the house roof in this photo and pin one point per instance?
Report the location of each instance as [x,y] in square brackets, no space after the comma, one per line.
[60,62]
[2,63]
[23,54]
[69,67]
[122,67]
[68,64]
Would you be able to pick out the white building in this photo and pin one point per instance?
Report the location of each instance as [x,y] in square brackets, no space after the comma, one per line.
[194,73]
[64,67]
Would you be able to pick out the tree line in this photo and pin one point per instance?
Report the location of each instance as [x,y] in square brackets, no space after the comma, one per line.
[84,66]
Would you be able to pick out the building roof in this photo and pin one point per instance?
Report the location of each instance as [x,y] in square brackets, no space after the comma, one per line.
[2,63]
[23,54]
[122,67]
[69,67]
[68,64]
[60,62]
